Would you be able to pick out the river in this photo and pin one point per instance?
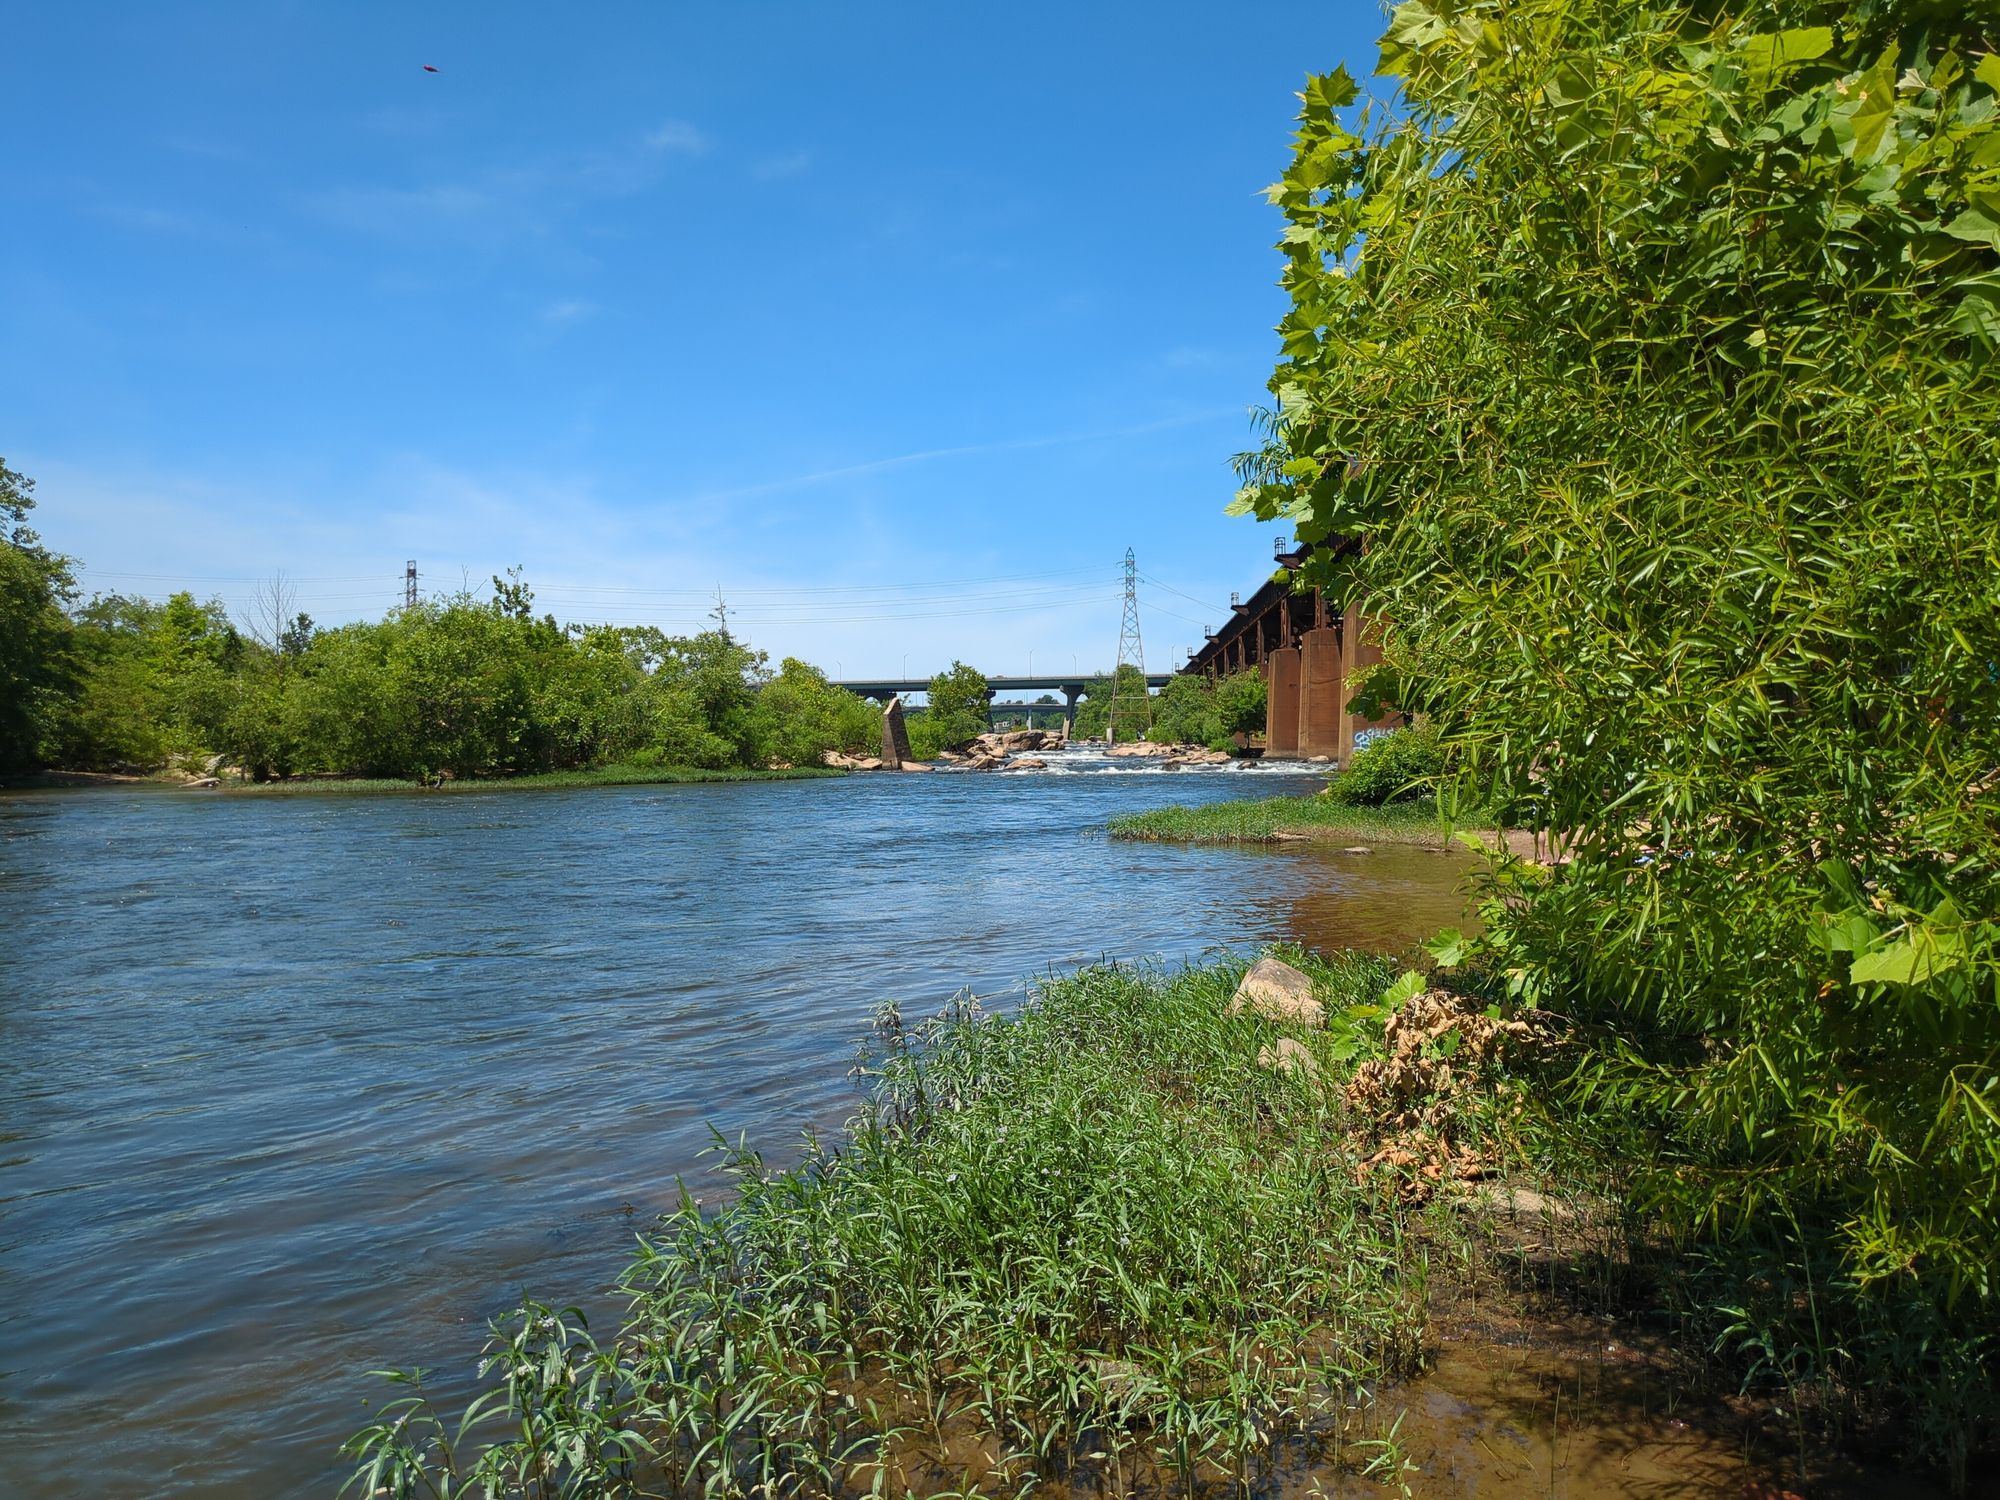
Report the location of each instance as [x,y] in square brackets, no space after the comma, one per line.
[294,1087]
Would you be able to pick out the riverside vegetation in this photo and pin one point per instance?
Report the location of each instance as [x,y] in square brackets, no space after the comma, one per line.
[1095,1241]
[1388,789]
[1641,373]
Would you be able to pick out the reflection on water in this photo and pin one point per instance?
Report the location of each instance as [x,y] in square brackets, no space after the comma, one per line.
[293,1088]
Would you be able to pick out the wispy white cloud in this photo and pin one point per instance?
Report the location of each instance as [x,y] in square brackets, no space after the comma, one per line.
[512,198]
[573,310]
[928,455]
[679,137]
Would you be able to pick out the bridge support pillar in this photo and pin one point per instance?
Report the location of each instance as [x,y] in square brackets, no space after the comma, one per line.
[1070,695]
[1281,713]
[1322,694]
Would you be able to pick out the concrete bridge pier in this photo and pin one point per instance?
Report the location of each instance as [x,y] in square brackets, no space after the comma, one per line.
[1361,648]
[1281,715]
[1322,693]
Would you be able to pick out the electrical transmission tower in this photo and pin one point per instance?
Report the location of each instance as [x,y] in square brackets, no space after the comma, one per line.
[1131,712]
[410,584]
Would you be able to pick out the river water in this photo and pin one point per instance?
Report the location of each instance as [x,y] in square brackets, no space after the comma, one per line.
[292,1087]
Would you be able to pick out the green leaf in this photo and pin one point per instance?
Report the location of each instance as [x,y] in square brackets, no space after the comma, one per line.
[1975,226]
[1407,987]
[1988,71]
[1923,953]
[1413,27]
[1449,948]
[1767,57]
[1849,932]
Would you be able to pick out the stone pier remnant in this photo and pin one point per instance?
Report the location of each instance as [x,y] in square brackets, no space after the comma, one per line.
[895,736]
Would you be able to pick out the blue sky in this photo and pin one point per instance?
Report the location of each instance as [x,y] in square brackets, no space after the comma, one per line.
[831,305]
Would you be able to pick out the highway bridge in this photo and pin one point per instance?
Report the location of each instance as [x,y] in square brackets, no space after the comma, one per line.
[1071,685]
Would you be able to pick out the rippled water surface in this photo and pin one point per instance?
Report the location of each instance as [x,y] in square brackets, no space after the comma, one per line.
[293,1087]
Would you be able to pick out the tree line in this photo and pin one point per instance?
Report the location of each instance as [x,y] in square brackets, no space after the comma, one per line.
[460,685]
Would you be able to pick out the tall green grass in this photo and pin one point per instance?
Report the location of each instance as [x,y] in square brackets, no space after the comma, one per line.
[1270,818]
[1092,1242]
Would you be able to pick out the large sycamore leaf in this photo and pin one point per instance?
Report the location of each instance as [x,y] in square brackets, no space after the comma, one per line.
[1769,56]
[1413,27]
[1925,951]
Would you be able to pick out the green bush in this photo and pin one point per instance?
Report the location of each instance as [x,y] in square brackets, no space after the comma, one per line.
[1398,765]
[1648,352]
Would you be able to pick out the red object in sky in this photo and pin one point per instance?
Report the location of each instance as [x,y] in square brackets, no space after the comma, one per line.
[429,69]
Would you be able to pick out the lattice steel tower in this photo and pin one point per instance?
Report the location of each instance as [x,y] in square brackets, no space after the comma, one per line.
[1133,716]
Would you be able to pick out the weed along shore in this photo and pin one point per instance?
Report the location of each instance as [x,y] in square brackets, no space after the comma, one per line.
[1285,819]
[1119,1240]
[1194,1231]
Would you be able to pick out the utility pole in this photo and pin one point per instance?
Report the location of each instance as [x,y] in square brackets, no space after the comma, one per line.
[410,584]
[1137,718]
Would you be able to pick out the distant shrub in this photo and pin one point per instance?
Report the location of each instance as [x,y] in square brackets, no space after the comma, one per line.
[1396,766]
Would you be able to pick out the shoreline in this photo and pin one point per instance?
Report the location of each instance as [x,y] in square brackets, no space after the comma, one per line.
[307,786]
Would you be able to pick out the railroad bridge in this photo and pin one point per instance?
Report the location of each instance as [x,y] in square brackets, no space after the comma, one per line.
[1309,653]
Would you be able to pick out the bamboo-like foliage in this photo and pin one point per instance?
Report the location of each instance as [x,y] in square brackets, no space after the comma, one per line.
[1649,350]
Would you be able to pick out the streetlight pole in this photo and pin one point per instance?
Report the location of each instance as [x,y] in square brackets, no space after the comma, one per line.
[906,664]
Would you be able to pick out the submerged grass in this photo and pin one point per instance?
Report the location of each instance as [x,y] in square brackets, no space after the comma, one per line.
[598,776]
[1271,818]
[1093,1241]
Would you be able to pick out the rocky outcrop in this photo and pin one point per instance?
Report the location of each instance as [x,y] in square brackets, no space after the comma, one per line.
[842,762]
[1169,754]
[1276,991]
[1026,763]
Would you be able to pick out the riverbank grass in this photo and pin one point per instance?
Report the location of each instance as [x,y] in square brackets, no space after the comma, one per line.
[1094,1241]
[1276,819]
[542,781]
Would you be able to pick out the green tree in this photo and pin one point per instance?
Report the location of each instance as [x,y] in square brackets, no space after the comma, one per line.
[956,713]
[803,716]
[1093,713]
[37,659]
[1649,352]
